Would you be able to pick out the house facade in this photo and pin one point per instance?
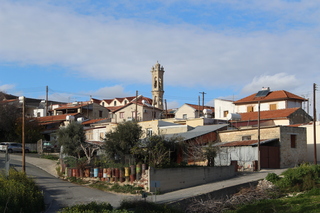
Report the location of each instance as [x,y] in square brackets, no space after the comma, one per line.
[281,146]
[192,111]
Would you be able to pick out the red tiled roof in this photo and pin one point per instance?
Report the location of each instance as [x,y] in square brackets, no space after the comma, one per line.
[69,106]
[97,101]
[200,107]
[114,108]
[93,121]
[240,143]
[272,96]
[54,118]
[270,114]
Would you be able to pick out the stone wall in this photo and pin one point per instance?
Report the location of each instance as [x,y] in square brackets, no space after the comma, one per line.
[171,179]
[292,156]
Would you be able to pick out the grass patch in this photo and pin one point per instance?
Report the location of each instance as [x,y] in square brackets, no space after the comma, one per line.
[18,193]
[49,156]
[308,202]
[138,206]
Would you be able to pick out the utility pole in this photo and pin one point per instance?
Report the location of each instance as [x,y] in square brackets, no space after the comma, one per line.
[259,160]
[136,114]
[198,106]
[22,99]
[314,123]
[47,91]
[202,99]
[166,109]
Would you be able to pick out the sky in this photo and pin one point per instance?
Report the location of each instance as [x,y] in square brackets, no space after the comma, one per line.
[104,49]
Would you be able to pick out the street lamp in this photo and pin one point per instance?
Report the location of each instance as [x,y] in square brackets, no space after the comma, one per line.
[22,100]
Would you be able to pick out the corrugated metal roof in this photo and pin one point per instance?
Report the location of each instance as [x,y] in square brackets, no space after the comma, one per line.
[197,131]
[246,143]
[165,123]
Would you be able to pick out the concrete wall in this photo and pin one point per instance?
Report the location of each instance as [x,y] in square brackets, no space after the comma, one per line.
[310,141]
[171,179]
[223,105]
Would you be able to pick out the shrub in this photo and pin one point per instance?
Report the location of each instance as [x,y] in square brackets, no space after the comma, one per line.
[272,177]
[92,207]
[304,177]
[146,207]
[18,193]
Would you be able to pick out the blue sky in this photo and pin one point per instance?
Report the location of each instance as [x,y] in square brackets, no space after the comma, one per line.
[105,49]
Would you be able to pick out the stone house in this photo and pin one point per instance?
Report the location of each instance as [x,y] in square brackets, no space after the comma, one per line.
[89,109]
[280,146]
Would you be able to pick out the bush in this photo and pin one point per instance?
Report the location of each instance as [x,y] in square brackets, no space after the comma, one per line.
[92,207]
[302,178]
[146,207]
[18,193]
[272,177]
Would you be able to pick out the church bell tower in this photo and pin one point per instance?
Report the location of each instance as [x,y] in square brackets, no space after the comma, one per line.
[157,85]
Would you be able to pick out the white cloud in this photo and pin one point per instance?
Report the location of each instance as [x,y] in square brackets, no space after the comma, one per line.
[6,87]
[110,92]
[173,105]
[124,50]
[279,81]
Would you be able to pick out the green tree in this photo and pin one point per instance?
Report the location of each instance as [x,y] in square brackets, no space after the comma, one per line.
[9,116]
[122,139]
[210,152]
[157,150]
[71,137]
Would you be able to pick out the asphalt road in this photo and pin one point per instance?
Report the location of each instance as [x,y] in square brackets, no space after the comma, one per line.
[59,193]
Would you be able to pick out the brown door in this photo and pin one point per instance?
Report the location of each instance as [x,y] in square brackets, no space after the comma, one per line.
[270,157]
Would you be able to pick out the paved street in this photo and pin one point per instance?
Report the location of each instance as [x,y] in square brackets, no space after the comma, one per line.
[60,193]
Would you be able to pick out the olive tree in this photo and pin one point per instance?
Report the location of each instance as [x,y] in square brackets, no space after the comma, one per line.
[73,140]
[157,150]
[122,139]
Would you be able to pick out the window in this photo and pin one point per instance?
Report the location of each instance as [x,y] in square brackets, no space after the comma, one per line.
[102,135]
[121,114]
[149,132]
[115,103]
[272,106]
[293,139]
[125,102]
[133,115]
[246,138]
[249,108]
[100,114]
[102,103]
[225,113]
[184,116]
[38,114]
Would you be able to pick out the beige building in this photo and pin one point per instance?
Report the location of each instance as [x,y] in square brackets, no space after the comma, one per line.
[192,111]
[281,146]
[87,109]
[136,111]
